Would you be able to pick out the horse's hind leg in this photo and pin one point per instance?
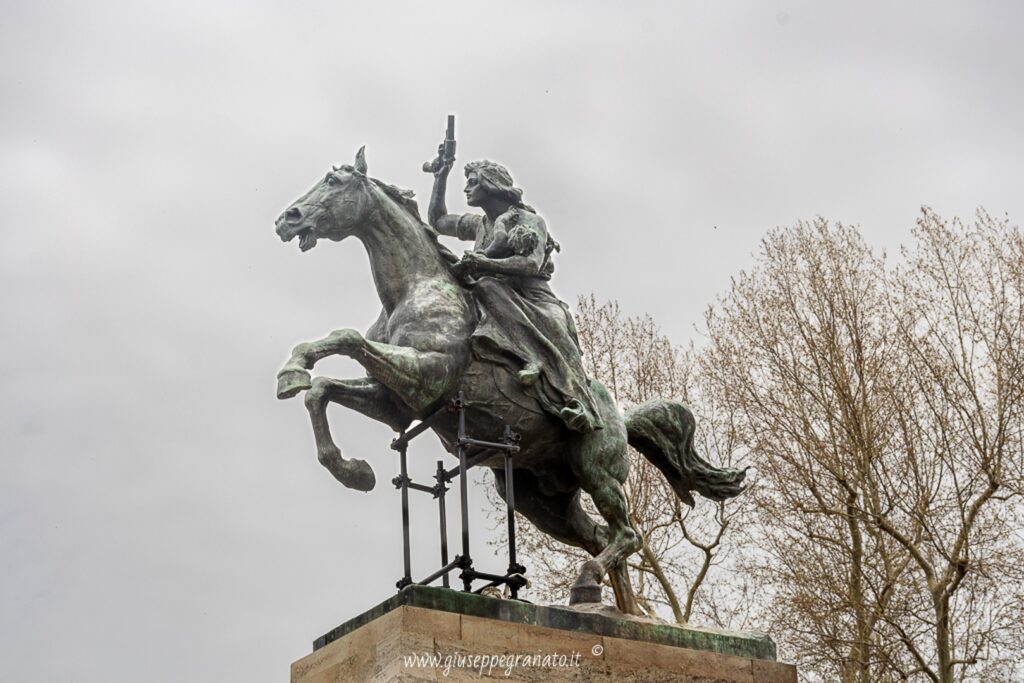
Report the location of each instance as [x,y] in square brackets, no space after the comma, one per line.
[561,516]
[364,395]
[599,460]
[558,515]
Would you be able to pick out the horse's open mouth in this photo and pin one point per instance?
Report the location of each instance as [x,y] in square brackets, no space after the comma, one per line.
[307,240]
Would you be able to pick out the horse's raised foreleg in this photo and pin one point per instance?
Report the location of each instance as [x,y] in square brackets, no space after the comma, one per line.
[367,396]
[418,378]
[294,376]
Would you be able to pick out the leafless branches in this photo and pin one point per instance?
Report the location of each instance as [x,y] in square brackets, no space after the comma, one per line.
[884,409]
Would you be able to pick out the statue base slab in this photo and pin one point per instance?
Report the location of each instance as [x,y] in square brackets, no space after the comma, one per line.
[437,634]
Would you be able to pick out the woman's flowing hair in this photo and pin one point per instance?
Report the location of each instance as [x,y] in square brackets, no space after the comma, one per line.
[497,181]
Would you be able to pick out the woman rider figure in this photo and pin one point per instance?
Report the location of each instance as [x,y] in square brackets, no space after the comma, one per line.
[523,325]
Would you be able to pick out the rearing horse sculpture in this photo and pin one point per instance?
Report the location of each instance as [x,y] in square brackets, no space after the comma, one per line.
[417,355]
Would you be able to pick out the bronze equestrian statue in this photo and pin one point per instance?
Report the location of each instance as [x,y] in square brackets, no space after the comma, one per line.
[489,325]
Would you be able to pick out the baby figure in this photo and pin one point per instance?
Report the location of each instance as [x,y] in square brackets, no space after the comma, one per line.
[511,238]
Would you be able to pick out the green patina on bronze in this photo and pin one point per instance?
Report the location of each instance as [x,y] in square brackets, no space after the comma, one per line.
[740,644]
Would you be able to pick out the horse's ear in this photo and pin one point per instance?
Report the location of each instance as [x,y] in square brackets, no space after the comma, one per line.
[361,160]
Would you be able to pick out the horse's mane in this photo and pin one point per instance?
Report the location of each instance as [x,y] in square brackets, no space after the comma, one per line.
[404,198]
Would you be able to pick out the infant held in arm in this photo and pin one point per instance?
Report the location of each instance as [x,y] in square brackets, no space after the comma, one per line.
[511,238]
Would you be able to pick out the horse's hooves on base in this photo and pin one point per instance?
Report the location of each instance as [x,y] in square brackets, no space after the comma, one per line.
[291,382]
[584,594]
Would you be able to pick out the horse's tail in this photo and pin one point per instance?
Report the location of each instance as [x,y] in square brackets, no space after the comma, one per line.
[663,432]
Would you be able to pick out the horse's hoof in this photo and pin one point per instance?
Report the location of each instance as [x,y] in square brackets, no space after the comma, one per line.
[291,381]
[587,587]
[579,595]
[355,474]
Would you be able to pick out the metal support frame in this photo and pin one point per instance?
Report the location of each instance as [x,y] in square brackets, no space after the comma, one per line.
[508,446]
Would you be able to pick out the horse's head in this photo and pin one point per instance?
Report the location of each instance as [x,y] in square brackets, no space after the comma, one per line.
[333,208]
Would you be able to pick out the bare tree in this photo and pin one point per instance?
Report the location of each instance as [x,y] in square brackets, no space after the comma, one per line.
[883,409]
[798,347]
[959,302]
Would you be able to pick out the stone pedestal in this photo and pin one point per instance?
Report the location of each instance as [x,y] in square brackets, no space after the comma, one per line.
[436,634]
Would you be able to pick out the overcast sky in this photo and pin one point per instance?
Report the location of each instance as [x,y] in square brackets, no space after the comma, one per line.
[162,515]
